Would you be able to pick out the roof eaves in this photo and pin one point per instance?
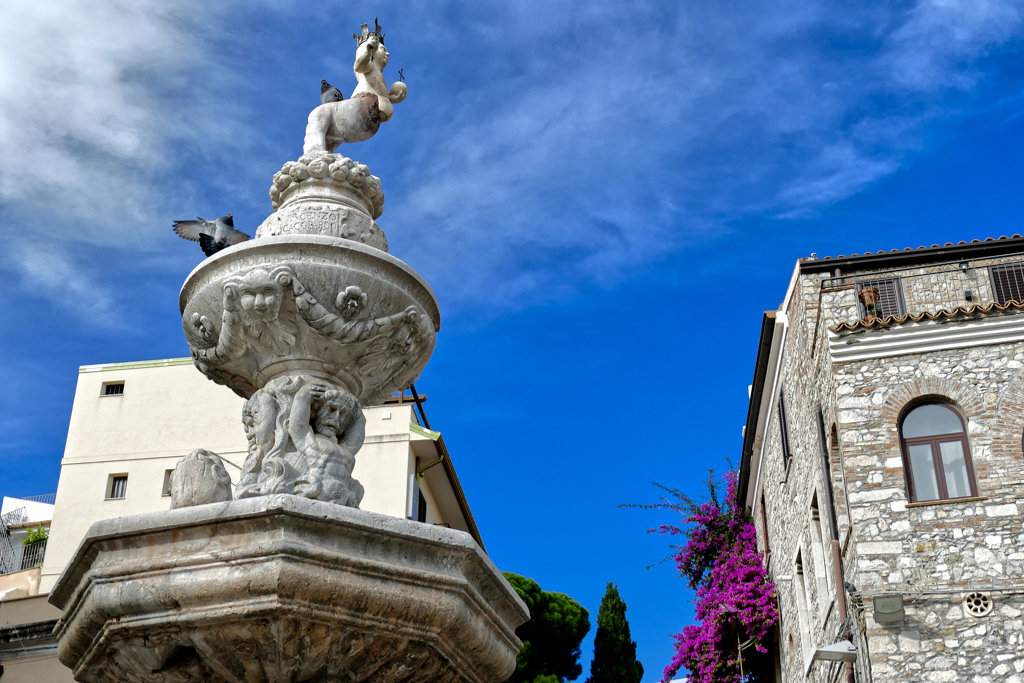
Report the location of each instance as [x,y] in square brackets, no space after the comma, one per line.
[136,365]
[453,479]
[988,247]
[764,348]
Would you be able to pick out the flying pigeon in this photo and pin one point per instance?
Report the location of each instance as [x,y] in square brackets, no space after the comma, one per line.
[211,235]
[328,93]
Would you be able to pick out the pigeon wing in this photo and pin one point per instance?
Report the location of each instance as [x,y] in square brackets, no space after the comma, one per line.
[236,236]
[191,230]
[208,244]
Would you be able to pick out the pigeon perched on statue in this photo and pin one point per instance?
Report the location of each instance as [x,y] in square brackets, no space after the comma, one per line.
[211,235]
[328,93]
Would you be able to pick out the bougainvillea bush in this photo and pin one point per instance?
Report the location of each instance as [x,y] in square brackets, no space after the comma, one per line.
[735,601]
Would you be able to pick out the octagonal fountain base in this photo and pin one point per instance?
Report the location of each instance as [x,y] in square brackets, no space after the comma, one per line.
[283,589]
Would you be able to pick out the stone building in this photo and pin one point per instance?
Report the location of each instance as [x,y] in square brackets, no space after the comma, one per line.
[130,425]
[882,464]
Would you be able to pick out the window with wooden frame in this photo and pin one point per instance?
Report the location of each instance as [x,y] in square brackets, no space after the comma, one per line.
[936,454]
[882,297]
[787,452]
[1007,282]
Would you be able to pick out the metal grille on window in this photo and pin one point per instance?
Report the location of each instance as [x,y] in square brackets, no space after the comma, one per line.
[887,295]
[118,487]
[784,427]
[114,389]
[1008,282]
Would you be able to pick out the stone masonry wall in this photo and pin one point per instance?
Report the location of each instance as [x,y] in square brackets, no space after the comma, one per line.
[934,553]
[808,605]
[927,288]
[931,553]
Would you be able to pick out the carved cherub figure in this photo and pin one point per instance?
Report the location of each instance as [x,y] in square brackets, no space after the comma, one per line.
[357,118]
[328,427]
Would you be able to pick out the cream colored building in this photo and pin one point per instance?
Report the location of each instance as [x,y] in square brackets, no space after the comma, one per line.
[132,422]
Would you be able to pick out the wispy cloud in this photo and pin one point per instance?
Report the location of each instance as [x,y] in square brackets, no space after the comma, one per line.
[609,138]
[543,145]
[93,95]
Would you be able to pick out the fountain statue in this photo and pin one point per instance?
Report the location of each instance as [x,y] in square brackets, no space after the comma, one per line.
[288,581]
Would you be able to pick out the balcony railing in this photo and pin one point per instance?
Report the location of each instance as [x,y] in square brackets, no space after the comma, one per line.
[931,289]
[14,555]
[18,557]
[48,498]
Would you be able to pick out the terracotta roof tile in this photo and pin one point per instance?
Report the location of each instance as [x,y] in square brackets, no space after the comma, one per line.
[934,246]
[975,311]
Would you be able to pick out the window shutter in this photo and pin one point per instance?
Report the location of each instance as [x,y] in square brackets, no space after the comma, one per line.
[890,296]
[1007,282]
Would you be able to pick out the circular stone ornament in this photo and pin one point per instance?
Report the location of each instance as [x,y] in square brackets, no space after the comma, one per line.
[978,604]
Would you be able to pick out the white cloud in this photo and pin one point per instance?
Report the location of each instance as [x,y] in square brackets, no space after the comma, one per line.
[92,94]
[928,50]
[558,144]
[619,138]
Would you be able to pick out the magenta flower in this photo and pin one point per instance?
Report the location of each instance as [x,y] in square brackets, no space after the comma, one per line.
[735,601]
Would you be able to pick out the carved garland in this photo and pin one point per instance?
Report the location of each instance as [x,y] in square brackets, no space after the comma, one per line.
[252,306]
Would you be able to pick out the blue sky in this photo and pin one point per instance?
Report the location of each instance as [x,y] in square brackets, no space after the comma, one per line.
[604,195]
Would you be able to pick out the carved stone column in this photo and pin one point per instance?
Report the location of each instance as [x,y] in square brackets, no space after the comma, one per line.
[307,321]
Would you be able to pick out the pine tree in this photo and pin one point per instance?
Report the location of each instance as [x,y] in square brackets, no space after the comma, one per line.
[551,638]
[614,653]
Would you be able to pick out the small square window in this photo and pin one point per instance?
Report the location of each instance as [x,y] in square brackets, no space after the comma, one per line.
[166,491]
[113,389]
[117,486]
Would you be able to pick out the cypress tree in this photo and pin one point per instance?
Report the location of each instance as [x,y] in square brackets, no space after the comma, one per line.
[614,652]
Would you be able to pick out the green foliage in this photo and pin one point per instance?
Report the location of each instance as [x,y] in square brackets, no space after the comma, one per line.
[36,535]
[614,652]
[552,636]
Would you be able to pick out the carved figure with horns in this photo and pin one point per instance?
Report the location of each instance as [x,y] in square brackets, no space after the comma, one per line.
[357,118]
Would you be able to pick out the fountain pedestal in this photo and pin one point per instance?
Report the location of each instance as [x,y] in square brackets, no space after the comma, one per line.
[291,582]
[283,589]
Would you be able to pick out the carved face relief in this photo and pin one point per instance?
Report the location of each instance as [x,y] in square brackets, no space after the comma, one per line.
[258,296]
[249,425]
[261,301]
[334,414]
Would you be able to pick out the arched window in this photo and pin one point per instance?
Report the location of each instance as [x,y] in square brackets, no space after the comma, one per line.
[936,454]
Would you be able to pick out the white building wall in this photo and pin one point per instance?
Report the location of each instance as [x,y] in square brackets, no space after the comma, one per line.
[34,510]
[167,410]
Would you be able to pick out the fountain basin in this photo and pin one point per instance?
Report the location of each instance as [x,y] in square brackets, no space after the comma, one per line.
[283,589]
[316,304]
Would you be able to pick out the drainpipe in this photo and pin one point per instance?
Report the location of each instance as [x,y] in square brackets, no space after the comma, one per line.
[833,528]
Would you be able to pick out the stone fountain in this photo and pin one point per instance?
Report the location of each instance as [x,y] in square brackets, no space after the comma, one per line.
[288,581]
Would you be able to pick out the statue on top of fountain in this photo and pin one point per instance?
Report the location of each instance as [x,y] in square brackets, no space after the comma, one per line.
[357,118]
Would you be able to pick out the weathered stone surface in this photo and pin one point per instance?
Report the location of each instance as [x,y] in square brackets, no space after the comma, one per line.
[199,478]
[931,554]
[304,191]
[283,589]
[357,118]
[278,304]
[303,434]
